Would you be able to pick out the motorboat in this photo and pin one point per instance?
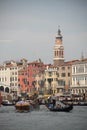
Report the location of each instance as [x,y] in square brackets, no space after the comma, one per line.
[7,103]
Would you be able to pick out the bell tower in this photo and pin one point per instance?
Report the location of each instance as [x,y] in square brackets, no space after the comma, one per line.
[58,50]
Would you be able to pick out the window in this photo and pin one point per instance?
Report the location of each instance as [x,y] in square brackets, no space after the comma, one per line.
[57,68]
[61,82]
[86,68]
[12,73]
[10,79]
[15,78]
[63,68]
[68,74]
[15,73]
[69,82]
[50,73]
[22,74]
[63,74]
[57,74]
[85,78]
[15,84]
[80,69]
[73,70]
[73,78]
[68,67]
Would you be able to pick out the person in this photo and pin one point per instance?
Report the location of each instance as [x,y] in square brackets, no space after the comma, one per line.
[57,106]
[49,99]
[54,100]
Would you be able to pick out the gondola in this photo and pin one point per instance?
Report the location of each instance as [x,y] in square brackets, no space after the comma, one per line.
[65,108]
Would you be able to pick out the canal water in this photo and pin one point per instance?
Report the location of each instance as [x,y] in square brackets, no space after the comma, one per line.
[43,119]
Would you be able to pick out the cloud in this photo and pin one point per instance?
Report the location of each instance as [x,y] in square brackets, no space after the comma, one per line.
[5,41]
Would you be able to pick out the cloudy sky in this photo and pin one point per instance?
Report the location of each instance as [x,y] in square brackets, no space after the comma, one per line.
[28,29]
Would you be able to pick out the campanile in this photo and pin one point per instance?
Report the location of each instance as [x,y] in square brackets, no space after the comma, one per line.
[58,50]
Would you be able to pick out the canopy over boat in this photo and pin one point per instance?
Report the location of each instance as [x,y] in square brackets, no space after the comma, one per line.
[22,106]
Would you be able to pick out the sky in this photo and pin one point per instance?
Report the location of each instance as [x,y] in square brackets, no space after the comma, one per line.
[28,29]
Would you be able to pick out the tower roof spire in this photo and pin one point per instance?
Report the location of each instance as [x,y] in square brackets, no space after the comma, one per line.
[59,30]
[82,56]
[59,36]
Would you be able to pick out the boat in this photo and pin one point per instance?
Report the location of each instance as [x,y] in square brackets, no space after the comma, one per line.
[7,103]
[75,103]
[81,103]
[34,103]
[22,106]
[60,108]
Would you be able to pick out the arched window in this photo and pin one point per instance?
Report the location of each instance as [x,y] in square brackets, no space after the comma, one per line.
[7,89]
[2,88]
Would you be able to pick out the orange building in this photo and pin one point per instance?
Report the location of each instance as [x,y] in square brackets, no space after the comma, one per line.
[33,69]
[27,76]
[22,80]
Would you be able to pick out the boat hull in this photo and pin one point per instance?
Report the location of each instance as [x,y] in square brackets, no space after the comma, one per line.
[66,108]
[7,103]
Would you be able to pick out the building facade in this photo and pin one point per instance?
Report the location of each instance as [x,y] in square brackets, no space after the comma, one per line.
[22,80]
[9,75]
[4,79]
[51,79]
[79,77]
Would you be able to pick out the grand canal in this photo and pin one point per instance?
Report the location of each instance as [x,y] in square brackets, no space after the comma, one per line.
[43,119]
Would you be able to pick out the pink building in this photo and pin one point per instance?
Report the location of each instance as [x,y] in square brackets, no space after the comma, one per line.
[27,76]
[33,69]
[22,80]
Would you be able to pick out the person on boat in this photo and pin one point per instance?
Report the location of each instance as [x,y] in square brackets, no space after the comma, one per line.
[57,106]
[49,99]
[54,100]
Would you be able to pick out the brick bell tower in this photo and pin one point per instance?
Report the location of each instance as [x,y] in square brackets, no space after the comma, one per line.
[58,50]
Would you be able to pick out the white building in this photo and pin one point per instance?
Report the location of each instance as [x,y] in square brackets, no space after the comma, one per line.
[79,77]
[8,76]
